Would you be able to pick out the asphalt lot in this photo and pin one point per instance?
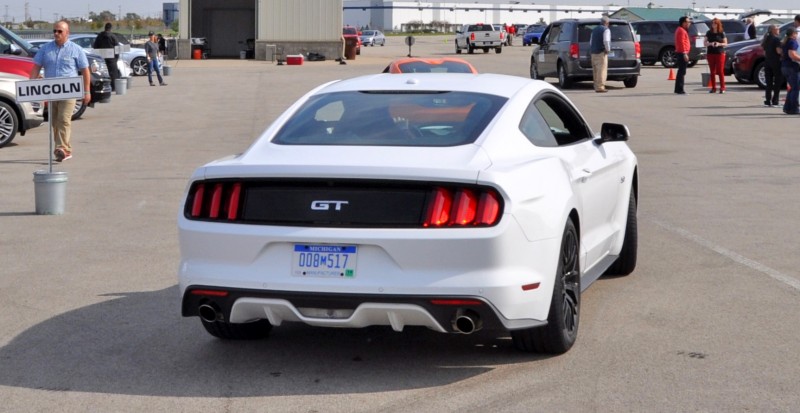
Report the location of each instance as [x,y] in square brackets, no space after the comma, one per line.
[707,322]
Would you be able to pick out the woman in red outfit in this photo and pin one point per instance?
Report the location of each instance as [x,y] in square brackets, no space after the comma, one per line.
[715,43]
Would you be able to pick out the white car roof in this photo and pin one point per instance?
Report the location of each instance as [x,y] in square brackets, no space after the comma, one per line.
[492,84]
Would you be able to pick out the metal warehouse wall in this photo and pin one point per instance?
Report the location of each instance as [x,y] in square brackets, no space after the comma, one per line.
[280,27]
[301,20]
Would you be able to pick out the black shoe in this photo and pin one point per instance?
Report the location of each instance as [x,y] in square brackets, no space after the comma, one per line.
[681,93]
[152,84]
[162,84]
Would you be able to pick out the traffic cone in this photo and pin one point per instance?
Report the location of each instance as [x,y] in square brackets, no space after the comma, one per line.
[671,75]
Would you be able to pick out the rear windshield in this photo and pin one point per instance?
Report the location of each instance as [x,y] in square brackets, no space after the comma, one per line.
[390,119]
[620,32]
[480,28]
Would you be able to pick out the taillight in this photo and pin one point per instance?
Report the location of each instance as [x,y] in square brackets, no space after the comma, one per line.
[220,200]
[638,50]
[472,36]
[573,50]
[462,207]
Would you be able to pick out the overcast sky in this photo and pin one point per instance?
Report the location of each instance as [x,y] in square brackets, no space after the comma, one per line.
[48,9]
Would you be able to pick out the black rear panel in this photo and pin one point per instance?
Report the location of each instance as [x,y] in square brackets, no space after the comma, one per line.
[335,204]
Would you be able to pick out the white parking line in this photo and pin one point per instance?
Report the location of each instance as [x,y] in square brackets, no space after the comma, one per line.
[755,265]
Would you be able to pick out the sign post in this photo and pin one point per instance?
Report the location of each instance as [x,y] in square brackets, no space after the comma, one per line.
[50,187]
[410,42]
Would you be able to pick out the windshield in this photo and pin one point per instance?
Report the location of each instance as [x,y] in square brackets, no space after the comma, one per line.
[536,29]
[367,33]
[390,119]
[8,37]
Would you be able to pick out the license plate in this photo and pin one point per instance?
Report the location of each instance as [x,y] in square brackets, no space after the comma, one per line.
[325,261]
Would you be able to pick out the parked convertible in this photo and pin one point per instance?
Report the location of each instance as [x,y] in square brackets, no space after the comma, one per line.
[454,202]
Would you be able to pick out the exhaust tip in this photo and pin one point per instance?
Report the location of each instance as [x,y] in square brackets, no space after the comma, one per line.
[209,313]
[467,321]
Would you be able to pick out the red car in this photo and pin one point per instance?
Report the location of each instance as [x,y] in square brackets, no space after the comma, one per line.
[16,65]
[349,32]
[422,65]
[748,65]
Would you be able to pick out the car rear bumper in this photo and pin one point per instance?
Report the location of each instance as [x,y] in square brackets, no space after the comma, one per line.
[511,276]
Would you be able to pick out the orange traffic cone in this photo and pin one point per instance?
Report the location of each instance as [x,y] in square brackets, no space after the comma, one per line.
[671,75]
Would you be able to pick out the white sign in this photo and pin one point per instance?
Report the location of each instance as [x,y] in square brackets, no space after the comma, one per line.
[56,88]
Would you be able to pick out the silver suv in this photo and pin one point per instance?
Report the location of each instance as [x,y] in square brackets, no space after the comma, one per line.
[563,52]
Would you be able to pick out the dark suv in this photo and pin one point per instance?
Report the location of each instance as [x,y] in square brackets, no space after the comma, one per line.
[563,52]
[657,38]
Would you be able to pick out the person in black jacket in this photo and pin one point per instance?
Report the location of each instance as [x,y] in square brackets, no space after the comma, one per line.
[772,66]
[105,44]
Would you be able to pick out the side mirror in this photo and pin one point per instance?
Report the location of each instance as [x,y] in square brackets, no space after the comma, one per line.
[14,49]
[613,132]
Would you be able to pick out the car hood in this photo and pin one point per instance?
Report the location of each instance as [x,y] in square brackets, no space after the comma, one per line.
[458,163]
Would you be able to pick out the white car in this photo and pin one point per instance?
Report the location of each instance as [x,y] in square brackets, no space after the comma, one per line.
[16,117]
[454,202]
[134,61]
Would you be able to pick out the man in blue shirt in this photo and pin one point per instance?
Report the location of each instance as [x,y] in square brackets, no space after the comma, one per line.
[599,46]
[62,58]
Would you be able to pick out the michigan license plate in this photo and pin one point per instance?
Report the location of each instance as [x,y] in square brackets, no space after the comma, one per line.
[325,261]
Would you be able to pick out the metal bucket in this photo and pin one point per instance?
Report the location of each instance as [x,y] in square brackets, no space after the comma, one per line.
[167,70]
[128,81]
[50,190]
[705,79]
[120,85]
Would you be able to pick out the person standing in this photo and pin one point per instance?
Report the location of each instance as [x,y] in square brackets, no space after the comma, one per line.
[162,46]
[749,29]
[682,48]
[151,50]
[599,46]
[715,43]
[62,58]
[790,68]
[772,66]
[105,43]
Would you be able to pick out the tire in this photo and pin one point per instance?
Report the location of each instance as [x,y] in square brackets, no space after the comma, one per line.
[667,57]
[626,262]
[631,81]
[78,110]
[760,76]
[691,63]
[564,82]
[9,123]
[139,66]
[231,331]
[458,51]
[498,50]
[559,334]
[534,71]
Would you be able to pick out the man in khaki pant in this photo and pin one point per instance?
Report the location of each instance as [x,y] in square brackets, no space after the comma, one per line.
[62,58]
[599,46]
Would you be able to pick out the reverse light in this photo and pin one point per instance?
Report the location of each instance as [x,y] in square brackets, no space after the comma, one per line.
[210,293]
[456,302]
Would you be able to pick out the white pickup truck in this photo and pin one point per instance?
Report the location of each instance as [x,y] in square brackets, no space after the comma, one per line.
[479,36]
